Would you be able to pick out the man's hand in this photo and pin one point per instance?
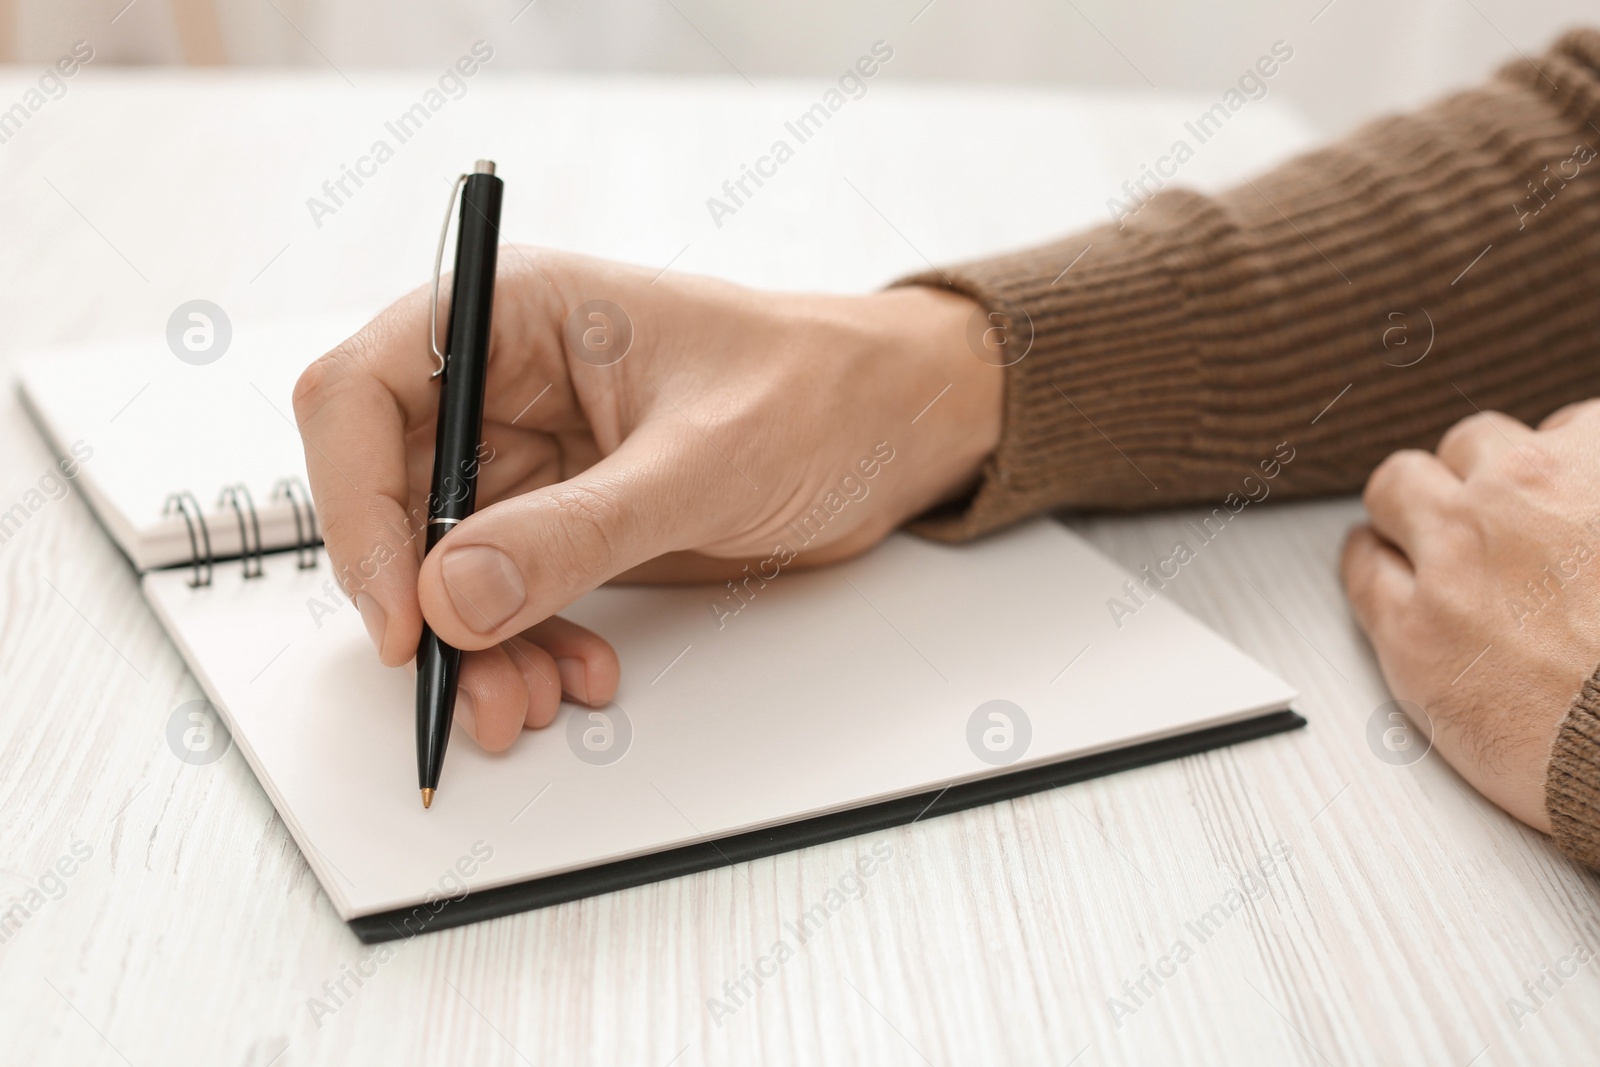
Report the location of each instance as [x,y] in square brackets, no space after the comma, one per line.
[1477,585]
[655,428]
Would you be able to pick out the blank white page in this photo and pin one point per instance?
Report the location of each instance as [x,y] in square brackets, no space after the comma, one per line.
[156,425]
[829,690]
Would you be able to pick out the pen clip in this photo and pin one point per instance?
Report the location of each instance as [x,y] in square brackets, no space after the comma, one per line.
[438,263]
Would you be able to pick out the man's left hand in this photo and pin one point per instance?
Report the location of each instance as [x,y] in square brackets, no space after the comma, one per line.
[1477,585]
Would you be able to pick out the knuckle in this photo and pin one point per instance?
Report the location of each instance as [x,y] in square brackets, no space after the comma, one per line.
[1359,574]
[1385,479]
[311,388]
[1495,421]
[1459,433]
[1376,481]
[318,382]
[1526,467]
[1585,409]
[321,379]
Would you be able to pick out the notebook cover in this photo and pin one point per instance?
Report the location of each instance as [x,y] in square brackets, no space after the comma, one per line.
[708,855]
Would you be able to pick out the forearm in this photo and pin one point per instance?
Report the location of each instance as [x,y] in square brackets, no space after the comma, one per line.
[1193,340]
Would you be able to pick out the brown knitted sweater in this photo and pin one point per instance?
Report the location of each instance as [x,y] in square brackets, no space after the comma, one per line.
[1192,339]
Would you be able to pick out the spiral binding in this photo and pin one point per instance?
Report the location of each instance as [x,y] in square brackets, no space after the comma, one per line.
[251,550]
[186,505]
[305,536]
[251,558]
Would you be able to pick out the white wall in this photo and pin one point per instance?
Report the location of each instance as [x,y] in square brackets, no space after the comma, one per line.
[1358,58]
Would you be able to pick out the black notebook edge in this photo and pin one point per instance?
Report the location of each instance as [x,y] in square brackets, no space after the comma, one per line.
[447,912]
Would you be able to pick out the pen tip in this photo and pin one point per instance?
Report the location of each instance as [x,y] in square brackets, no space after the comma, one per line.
[427,798]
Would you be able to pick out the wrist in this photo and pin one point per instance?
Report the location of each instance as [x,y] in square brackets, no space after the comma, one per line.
[955,399]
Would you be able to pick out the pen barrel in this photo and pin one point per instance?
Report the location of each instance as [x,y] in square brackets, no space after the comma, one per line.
[438,672]
[460,428]
[456,456]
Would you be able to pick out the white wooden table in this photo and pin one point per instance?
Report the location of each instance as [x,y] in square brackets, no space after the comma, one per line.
[1408,912]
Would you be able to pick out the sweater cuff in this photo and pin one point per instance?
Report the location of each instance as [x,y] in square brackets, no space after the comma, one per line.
[1572,782]
[1195,332]
[1104,395]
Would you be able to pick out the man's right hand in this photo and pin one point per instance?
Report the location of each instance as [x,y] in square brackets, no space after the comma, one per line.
[669,428]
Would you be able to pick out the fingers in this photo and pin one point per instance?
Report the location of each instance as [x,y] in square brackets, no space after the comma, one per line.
[1407,497]
[364,412]
[354,432]
[587,664]
[1478,439]
[520,561]
[492,698]
[541,681]
[520,683]
[1377,579]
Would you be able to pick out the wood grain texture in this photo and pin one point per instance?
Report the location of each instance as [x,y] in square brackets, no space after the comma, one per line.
[1408,912]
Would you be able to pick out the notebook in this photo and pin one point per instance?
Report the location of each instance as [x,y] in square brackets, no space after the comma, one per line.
[916,680]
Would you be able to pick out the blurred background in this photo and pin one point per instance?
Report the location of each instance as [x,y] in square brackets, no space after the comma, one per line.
[1353,58]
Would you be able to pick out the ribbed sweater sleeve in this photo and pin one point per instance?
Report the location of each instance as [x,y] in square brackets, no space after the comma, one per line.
[1200,334]
[1192,339]
[1572,783]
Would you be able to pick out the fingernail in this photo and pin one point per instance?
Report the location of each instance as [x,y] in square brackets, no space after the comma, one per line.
[484,585]
[373,618]
[467,712]
[574,677]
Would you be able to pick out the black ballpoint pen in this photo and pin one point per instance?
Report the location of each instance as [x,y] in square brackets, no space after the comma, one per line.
[463,367]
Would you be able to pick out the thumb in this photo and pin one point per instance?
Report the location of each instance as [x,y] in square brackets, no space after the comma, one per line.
[520,561]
